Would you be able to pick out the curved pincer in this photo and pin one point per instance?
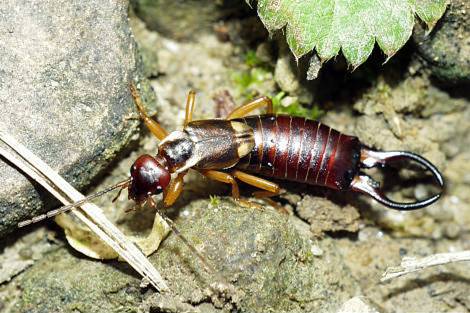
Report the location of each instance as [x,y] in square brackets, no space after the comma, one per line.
[365,184]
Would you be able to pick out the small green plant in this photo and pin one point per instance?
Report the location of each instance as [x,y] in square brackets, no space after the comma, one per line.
[295,108]
[214,200]
[252,60]
[247,81]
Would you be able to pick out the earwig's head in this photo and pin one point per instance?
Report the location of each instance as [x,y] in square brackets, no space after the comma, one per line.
[149,176]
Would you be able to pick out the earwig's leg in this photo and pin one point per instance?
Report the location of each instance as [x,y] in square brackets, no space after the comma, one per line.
[258,182]
[189,107]
[135,207]
[266,197]
[153,126]
[228,179]
[243,110]
[270,189]
[224,178]
[173,191]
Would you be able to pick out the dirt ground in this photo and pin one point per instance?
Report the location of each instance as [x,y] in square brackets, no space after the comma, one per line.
[328,248]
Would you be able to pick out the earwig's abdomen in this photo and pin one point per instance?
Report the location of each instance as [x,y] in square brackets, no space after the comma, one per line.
[301,150]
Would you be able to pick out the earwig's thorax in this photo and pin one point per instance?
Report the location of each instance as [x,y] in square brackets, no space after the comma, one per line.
[206,144]
[178,151]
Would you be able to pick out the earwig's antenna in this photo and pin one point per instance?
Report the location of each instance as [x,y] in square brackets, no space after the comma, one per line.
[173,227]
[66,208]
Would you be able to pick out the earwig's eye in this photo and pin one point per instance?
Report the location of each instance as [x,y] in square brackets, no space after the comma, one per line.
[148,177]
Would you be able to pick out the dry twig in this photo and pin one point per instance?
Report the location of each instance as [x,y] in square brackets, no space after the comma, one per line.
[88,213]
[410,265]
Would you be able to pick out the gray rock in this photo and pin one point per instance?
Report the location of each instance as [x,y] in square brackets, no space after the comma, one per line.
[287,74]
[64,75]
[325,216]
[358,305]
[61,282]
[269,262]
[447,48]
[262,254]
[185,19]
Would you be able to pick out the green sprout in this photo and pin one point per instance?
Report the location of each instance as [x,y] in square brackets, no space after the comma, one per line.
[295,108]
[277,99]
[214,200]
[247,81]
[252,60]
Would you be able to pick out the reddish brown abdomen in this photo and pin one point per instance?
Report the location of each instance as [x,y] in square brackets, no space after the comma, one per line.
[301,150]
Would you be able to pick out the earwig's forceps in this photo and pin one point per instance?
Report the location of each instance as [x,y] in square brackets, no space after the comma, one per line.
[365,184]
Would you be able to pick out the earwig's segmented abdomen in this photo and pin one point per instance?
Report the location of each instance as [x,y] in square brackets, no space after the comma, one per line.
[301,150]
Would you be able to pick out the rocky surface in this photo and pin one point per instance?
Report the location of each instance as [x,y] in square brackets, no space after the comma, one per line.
[325,216]
[446,49]
[422,118]
[440,289]
[268,261]
[64,77]
[188,19]
[333,246]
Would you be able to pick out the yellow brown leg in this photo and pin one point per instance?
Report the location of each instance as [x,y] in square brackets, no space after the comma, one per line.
[229,179]
[243,110]
[189,107]
[173,191]
[152,125]
[266,196]
[267,186]
[270,189]
[224,178]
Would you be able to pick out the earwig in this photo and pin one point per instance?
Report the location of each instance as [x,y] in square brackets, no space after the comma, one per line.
[277,146]
[240,146]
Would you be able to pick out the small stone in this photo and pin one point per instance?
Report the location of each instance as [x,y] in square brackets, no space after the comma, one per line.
[452,230]
[421,192]
[286,74]
[65,73]
[289,100]
[184,19]
[264,52]
[316,250]
[314,67]
[358,305]
[446,49]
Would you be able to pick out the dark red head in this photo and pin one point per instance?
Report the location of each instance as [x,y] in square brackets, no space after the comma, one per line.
[149,176]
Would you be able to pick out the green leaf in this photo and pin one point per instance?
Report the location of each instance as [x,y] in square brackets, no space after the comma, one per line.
[430,11]
[352,26]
